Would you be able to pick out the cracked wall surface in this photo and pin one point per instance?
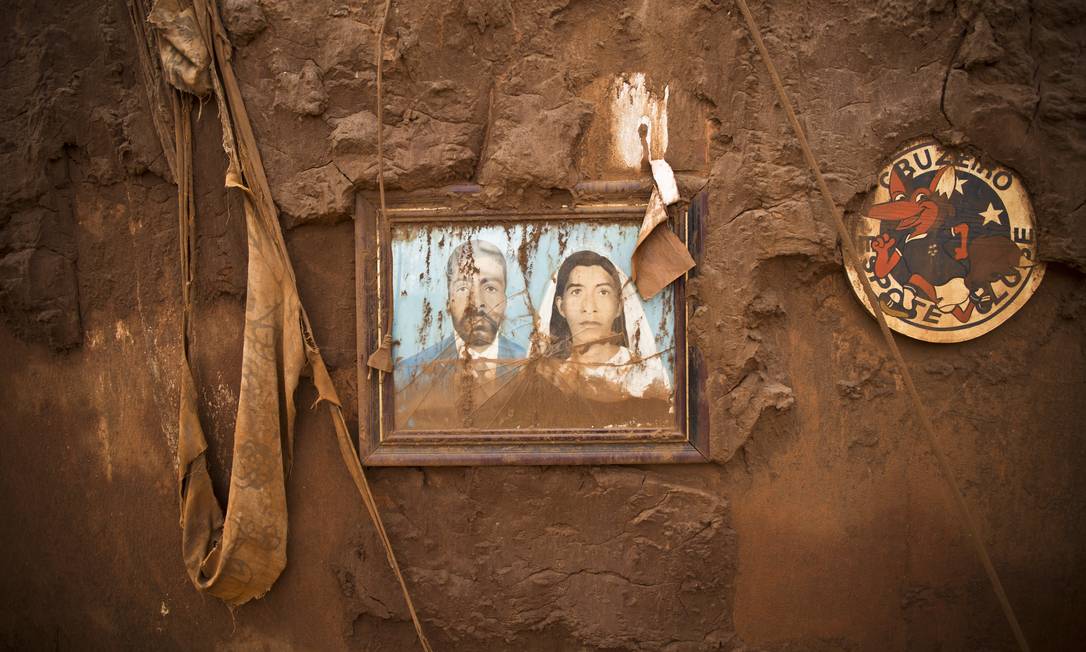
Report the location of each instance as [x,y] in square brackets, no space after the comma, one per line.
[821,524]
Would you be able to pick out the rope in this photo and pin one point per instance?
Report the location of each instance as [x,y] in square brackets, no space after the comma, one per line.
[347,451]
[853,257]
[381,118]
[381,359]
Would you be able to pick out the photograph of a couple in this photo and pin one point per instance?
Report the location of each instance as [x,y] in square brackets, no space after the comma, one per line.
[527,326]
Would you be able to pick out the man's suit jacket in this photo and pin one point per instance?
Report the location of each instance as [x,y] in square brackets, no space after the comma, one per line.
[445,350]
[427,395]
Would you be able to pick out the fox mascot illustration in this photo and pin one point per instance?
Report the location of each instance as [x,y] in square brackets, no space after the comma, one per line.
[932,253]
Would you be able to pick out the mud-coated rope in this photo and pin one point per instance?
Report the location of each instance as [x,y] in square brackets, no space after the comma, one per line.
[350,456]
[384,323]
[381,359]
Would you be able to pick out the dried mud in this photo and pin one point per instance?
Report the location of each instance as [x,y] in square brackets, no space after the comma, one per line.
[822,523]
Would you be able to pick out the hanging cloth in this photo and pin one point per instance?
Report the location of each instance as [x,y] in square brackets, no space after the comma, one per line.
[237,556]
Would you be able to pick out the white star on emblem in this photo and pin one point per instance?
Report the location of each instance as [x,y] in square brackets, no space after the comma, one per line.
[959,186]
[991,215]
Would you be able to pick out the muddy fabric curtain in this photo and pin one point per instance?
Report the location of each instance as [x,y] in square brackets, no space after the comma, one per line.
[238,554]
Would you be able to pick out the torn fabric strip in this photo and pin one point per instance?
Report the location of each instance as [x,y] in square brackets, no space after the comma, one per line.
[660,256]
[239,555]
[664,177]
[182,50]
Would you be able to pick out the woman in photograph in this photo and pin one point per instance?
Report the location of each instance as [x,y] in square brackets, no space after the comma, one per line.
[594,361]
[597,326]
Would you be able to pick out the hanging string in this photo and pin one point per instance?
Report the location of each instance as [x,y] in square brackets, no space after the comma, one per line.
[853,257]
[381,359]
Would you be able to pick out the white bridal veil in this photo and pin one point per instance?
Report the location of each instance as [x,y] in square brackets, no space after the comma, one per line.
[645,367]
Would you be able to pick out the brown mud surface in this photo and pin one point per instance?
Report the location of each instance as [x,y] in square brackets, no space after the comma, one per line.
[821,524]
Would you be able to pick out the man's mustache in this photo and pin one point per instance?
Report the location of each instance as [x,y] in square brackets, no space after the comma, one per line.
[480,314]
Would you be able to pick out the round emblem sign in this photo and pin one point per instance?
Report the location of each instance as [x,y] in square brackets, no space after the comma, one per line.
[948,242]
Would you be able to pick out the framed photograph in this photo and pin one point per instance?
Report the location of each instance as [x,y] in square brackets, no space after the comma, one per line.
[520,338]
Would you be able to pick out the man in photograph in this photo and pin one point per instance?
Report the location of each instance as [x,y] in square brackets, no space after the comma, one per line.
[441,386]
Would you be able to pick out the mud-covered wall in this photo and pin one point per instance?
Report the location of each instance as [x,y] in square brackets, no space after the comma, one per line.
[822,524]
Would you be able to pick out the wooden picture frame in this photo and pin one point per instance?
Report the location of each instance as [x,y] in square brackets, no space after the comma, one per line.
[382,443]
